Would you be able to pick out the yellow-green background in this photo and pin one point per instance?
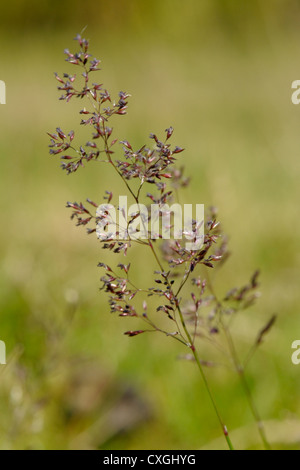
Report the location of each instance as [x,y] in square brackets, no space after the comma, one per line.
[220,73]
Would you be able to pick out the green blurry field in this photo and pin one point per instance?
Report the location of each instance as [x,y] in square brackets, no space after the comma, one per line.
[221,76]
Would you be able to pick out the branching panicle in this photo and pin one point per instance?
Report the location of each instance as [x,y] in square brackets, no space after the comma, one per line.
[183,304]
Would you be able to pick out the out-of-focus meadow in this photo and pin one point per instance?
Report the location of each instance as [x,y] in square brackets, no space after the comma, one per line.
[220,73]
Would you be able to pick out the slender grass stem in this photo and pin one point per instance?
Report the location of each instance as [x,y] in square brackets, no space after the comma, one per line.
[204,378]
[240,370]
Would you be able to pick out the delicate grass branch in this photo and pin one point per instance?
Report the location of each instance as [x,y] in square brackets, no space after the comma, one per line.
[195,314]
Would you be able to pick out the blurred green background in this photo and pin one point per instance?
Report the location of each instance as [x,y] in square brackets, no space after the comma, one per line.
[220,73]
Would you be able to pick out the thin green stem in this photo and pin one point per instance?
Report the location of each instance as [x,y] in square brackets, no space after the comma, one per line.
[240,370]
[208,389]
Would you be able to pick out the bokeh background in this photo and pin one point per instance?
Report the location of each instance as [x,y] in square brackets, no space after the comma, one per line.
[220,73]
